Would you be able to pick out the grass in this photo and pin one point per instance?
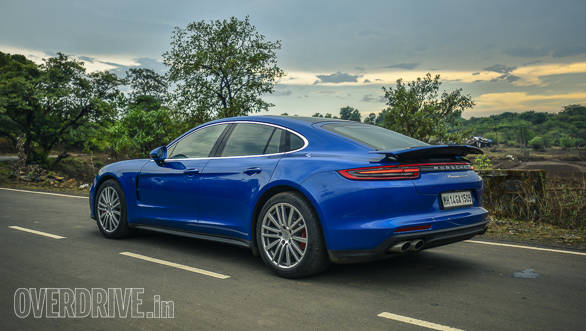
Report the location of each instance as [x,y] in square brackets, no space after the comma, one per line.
[535,232]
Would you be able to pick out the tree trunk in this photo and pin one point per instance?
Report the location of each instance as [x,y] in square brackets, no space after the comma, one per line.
[60,157]
[22,160]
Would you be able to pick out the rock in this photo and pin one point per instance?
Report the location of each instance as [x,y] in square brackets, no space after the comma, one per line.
[84,186]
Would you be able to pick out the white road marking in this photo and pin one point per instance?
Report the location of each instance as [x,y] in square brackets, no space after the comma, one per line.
[527,247]
[54,236]
[176,265]
[417,322]
[45,193]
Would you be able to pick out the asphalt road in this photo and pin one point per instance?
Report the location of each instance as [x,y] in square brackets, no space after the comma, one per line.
[466,285]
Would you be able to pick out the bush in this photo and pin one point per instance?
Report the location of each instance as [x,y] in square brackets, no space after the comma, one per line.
[567,141]
[537,143]
[139,131]
[527,195]
[482,162]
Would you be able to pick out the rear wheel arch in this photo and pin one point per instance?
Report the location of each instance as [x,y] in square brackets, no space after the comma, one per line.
[265,197]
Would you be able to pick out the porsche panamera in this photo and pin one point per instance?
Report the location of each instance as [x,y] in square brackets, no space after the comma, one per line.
[300,192]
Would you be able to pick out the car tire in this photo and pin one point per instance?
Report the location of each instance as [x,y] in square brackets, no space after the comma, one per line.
[289,237]
[110,208]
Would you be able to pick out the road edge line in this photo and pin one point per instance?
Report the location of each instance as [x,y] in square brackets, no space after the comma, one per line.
[414,321]
[44,193]
[175,265]
[526,247]
[40,233]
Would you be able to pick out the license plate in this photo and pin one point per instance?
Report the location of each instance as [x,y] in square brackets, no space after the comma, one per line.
[456,199]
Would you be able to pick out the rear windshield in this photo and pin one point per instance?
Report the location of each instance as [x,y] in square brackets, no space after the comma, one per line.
[373,136]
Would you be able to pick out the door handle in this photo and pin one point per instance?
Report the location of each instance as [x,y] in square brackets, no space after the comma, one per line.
[252,171]
[191,172]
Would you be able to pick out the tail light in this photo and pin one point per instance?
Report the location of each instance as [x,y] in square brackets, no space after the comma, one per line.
[381,173]
[402,171]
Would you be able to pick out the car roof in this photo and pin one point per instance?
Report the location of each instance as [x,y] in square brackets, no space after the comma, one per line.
[294,121]
[309,119]
[306,126]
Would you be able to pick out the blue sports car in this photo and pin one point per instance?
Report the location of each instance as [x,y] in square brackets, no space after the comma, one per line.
[299,192]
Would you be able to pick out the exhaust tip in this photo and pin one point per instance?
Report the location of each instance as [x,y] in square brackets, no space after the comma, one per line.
[401,247]
[417,245]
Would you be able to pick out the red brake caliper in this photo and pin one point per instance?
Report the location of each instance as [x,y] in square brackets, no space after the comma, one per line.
[303,235]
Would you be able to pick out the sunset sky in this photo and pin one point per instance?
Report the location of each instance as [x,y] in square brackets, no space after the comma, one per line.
[509,55]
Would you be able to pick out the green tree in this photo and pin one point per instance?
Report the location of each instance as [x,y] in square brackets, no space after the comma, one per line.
[567,141]
[328,115]
[146,82]
[418,110]
[350,113]
[141,130]
[147,123]
[537,143]
[317,115]
[54,104]
[221,68]
[516,129]
[370,119]
[19,102]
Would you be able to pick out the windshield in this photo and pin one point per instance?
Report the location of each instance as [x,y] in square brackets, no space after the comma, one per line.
[373,136]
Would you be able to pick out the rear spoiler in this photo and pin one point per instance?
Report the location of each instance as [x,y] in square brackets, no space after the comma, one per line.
[430,151]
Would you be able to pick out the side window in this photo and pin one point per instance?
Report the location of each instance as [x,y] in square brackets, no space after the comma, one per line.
[248,139]
[274,145]
[295,143]
[197,144]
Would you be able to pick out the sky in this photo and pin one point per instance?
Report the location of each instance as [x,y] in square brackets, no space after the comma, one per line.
[508,55]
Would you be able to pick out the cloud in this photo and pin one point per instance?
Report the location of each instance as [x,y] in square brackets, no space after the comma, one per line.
[555,51]
[374,98]
[281,91]
[509,78]
[529,75]
[338,77]
[521,101]
[33,55]
[143,62]
[86,58]
[408,66]
[500,68]
[326,92]
[504,70]
[527,51]
[570,50]
[382,78]
[92,63]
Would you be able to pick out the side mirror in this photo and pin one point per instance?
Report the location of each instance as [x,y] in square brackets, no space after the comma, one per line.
[159,154]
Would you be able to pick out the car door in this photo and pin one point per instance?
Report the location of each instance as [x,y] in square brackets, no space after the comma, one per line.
[167,192]
[231,182]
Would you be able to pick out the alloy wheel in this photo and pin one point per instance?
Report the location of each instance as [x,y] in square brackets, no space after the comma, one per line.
[284,235]
[109,209]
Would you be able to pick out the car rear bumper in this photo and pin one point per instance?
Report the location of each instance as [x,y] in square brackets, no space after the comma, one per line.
[431,239]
